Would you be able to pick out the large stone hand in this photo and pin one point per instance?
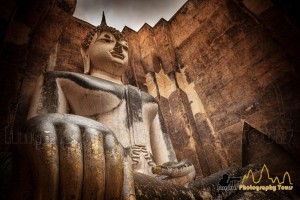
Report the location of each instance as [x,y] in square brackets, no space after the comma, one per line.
[76,158]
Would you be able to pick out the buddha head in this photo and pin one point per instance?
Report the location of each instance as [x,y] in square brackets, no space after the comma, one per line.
[104,50]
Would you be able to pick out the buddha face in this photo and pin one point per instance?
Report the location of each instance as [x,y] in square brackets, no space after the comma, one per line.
[107,54]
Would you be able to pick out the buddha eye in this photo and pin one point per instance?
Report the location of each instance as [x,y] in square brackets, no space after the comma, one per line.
[106,40]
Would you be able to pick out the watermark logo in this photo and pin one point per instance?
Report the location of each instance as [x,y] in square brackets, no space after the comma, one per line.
[249,183]
[228,183]
[276,184]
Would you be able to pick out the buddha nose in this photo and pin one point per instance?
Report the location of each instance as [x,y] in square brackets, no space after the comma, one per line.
[118,48]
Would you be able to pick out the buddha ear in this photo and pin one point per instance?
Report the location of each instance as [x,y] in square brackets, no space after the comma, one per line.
[86,61]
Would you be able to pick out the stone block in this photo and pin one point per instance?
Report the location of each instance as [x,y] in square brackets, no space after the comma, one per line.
[231,138]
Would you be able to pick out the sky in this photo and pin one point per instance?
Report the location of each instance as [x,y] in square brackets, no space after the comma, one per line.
[132,13]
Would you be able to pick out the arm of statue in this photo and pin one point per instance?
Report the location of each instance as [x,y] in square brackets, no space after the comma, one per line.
[167,167]
[73,157]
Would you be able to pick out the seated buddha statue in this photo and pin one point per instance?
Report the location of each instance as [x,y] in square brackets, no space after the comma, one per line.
[91,133]
[88,136]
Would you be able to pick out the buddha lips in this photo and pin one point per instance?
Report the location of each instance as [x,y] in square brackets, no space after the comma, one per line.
[117,55]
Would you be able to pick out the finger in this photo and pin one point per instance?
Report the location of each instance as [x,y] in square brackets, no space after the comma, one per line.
[114,168]
[43,154]
[128,184]
[71,162]
[94,164]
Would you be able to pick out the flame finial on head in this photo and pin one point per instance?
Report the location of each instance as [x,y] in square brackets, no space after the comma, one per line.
[103,21]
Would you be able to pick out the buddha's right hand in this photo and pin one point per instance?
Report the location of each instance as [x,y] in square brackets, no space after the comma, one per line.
[182,172]
[73,157]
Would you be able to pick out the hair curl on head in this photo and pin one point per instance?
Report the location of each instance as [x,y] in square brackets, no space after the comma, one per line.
[99,29]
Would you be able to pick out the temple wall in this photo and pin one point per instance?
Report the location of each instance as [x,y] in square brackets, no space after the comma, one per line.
[213,66]
[229,63]
[29,33]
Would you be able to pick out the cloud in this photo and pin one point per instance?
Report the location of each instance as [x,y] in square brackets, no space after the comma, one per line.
[132,13]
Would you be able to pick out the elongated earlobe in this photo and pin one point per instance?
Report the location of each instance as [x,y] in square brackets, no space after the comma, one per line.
[86,61]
